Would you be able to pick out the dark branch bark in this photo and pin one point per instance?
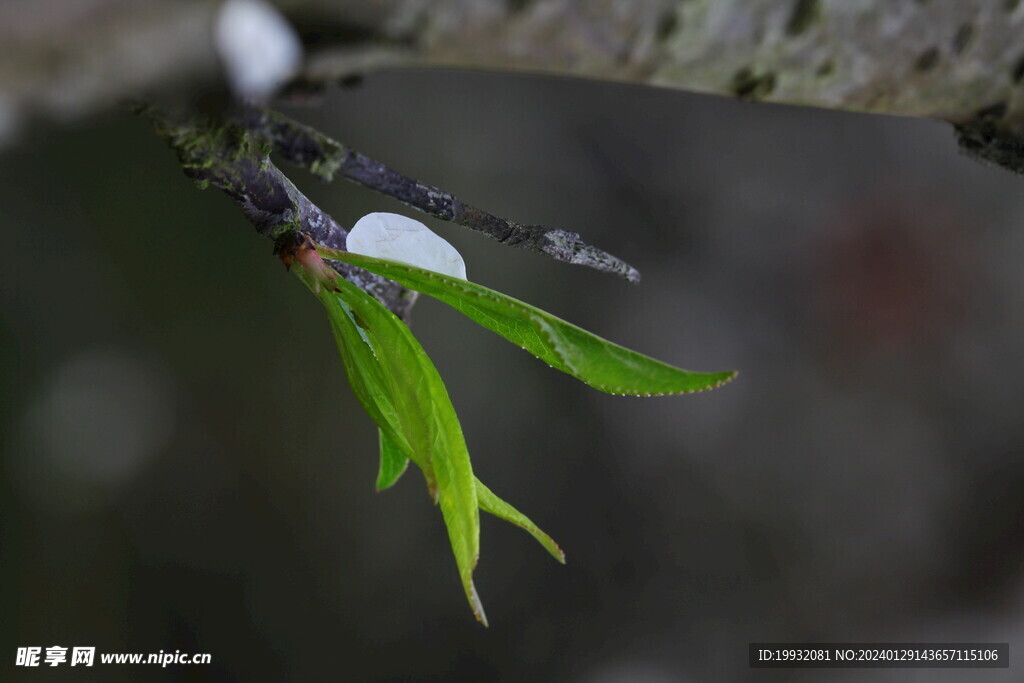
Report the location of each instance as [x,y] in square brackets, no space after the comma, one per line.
[223,155]
[326,158]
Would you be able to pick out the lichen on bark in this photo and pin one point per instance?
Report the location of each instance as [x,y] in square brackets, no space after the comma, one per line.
[216,152]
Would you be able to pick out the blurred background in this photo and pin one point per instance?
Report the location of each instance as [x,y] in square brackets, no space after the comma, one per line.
[184,466]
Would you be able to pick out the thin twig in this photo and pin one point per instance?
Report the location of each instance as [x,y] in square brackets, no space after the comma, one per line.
[326,158]
[223,155]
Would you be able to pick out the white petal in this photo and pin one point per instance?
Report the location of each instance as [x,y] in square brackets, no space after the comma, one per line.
[395,237]
[259,48]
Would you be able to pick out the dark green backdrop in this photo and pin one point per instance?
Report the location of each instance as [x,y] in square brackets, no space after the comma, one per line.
[182,465]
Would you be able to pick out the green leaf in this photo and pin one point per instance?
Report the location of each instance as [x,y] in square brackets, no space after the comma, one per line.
[499,508]
[400,388]
[599,363]
[368,377]
[393,462]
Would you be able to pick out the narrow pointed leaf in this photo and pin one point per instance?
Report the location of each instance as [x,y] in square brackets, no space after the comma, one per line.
[393,462]
[499,508]
[401,390]
[599,363]
[369,380]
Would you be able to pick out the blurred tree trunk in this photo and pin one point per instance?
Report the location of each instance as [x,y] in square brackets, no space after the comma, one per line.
[953,60]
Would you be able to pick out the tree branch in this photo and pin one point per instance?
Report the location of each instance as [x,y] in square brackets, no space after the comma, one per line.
[945,59]
[954,60]
[225,156]
[326,157]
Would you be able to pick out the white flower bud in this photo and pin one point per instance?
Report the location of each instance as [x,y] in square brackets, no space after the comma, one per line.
[259,48]
[395,237]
